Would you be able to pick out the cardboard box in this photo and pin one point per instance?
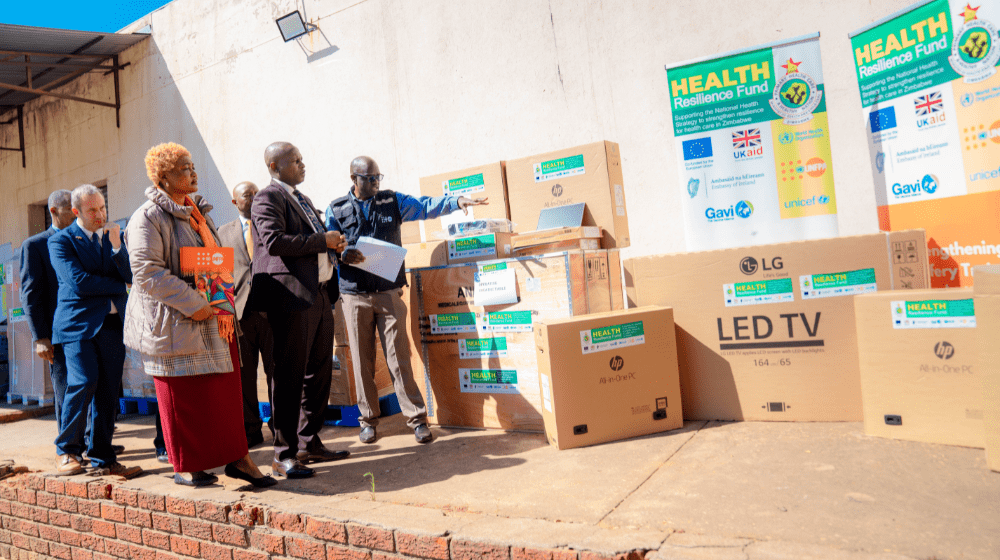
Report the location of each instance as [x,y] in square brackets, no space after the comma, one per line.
[987,301]
[590,173]
[768,332]
[411,232]
[423,255]
[339,325]
[608,376]
[475,182]
[490,246]
[559,246]
[918,351]
[458,336]
[548,236]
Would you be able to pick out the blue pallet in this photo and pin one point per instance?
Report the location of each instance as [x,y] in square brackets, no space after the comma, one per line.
[344,415]
[133,405]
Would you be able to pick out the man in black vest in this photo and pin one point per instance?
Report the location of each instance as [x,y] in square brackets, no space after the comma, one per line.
[371,302]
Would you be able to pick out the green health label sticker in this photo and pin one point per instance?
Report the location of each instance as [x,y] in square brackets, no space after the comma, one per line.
[614,336]
[471,348]
[476,246]
[453,323]
[556,168]
[507,321]
[492,267]
[933,314]
[17,315]
[464,185]
[836,284]
[488,381]
[761,291]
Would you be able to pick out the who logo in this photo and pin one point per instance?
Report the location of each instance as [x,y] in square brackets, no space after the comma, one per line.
[944,350]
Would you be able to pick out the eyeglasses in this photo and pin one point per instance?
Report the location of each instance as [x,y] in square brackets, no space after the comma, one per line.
[370,178]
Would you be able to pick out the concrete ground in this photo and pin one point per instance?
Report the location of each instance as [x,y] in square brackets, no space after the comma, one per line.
[708,491]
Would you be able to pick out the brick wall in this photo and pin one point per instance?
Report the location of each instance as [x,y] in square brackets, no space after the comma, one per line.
[71,519]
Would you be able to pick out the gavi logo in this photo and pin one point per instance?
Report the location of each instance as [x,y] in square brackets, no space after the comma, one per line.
[742,209]
[928,184]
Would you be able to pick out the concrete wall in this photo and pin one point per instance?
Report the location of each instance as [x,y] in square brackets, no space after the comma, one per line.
[423,86]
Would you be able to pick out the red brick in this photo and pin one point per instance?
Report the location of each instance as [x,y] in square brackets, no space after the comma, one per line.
[228,534]
[125,497]
[141,553]
[249,555]
[91,542]
[334,552]
[40,515]
[370,537]
[117,549]
[181,506]
[87,507]
[21,510]
[55,486]
[4,536]
[76,489]
[138,517]
[48,532]
[20,541]
[633,555]
[271,544]
[326,530]
[129,533]
[45,500]
[59,518]
[60,551]
[4,507]
[168,523]
[35,482]
[160,555]
[8,492]
[470,550]
[196,529]
[68,504]
[564,555]
[423,547]
[285,521]
[214,512]
[113,513]
[216,552]
[39,546]
[81,523]
[69,538]
[185,546]
[156,539]
[305,548]
[99,491]
[104,528]
[29,528]
[26,496]
[102,556]
[151,501]
[82,554]
[246,516]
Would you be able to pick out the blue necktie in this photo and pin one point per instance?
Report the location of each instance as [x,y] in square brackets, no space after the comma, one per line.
[310,212]
[96,240]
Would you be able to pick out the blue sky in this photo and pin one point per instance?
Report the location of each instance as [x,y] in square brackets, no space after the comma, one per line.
[94,15]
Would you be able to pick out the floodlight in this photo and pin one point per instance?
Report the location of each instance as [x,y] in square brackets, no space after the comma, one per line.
[292,26]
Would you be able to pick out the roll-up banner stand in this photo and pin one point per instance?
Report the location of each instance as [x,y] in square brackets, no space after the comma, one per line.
[754,146]
[931,99]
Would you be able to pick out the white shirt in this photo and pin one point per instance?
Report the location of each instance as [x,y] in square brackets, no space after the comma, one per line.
[326,268]
[100,237]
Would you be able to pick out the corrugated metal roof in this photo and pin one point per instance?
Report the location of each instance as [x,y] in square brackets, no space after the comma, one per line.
[51,46]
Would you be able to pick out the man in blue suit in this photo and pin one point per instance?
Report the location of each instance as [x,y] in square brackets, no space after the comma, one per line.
[92,265]
[39,293]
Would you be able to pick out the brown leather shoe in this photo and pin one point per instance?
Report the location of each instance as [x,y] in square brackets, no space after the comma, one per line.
[118,469]
[68,465]
[321,455]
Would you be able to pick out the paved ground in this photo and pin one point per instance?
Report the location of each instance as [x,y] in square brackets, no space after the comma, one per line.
[709,491]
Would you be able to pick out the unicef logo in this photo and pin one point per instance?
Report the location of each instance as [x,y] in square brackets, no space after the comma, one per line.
[557,190]
[929,184]
[785,138]
[880,162]
[217,259]
[744,209]
[823,199]
[967,100]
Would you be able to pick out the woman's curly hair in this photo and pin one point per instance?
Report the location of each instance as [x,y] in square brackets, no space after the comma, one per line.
[162,158]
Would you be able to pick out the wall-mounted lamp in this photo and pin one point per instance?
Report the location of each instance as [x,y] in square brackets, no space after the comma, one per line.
[292,26]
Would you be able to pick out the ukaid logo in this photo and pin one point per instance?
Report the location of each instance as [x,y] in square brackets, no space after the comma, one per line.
[929,109]
[742,209]
[928,184]
[747,144]
[795,95]
[974,50]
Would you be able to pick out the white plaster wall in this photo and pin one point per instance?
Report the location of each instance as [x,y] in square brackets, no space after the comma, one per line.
[423,86]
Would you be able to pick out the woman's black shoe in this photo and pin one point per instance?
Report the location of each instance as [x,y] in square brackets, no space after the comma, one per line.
[262,482]
[198,478]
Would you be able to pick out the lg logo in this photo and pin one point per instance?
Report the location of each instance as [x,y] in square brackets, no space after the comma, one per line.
[749,265]
[617,363]
[944,350]
[557,190]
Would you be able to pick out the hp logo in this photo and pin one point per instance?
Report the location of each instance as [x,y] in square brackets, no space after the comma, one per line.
[944,350]
[617,363]
[748,265]
[557,190]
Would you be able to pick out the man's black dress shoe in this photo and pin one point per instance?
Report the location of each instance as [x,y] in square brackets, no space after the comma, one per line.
[321,455]
[423,434]
[118,449]
[291,468]
[161,456]
[198,478]
[368,434]
[262,482]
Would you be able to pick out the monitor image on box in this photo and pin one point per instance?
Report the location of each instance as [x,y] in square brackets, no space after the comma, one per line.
[561,216]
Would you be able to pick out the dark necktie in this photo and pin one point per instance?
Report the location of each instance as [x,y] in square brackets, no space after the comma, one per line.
[309,212]
[96,240]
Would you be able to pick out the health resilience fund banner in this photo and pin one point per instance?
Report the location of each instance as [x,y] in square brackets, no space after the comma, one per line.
[754,146]
[931,96]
